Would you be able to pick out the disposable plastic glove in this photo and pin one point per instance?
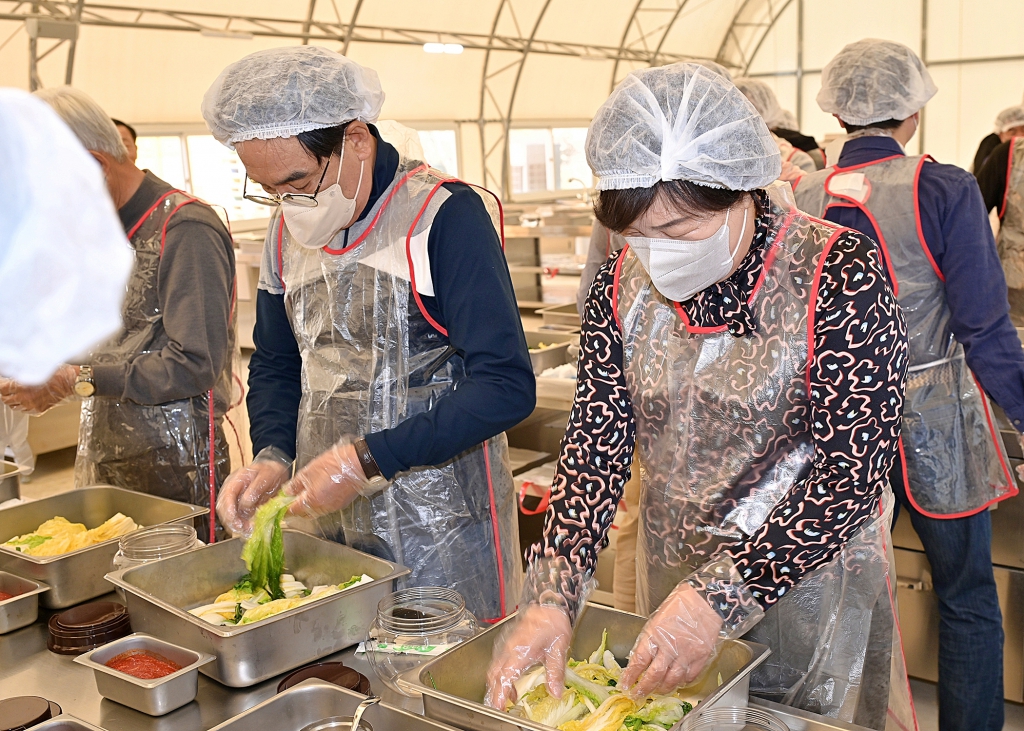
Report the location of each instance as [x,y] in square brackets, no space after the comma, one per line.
[674,646]
[790,172]
[540,633]
[40,399]
[248,488]
[328,483]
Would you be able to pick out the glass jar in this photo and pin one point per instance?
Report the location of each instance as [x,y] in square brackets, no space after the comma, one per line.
[734,719]
[152,544]
[414,626]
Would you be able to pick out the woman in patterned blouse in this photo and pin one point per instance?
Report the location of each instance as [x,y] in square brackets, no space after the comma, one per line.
[752,360]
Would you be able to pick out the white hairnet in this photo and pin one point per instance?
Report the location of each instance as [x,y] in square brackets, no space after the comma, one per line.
[788,121]
[1010,118]
[713,65]
[763,99]
[871,81]
[404,139]
[64,258]
[680,122]
[282,92]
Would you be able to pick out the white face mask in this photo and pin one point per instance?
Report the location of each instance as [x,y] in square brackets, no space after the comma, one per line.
[313,228]
[680,269]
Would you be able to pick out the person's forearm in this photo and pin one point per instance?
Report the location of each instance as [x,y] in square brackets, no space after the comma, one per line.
[275,378]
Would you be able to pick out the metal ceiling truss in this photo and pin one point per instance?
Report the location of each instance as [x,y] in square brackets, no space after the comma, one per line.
[646,30]
[750,26]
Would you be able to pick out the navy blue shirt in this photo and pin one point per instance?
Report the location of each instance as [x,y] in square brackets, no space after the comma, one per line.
[474,301]
[958,235]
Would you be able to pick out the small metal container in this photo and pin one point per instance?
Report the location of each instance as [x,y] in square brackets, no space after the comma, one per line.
[154,697]
[77,576]
[554,353]
[799,720]
[247,654]
[23,609]
[10,481]
[65,722]
[453,684]
[315,700]
[561,315]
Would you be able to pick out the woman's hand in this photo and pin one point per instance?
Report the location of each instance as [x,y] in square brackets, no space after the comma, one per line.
[328,483]
[540,633]
[40,399]
[674,646]
[249,487]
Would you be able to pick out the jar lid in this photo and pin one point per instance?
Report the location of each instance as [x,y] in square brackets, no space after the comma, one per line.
[87,627]
[91,616]
[331,672]
[24,711]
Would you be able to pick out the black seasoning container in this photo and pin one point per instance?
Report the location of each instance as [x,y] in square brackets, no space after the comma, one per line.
[87,627]
[26,711]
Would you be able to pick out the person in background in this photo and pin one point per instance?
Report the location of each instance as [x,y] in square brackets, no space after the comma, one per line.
[390,354]
[795,147]
[128,137]
[156,390]
[991,142]
[930,223]
[63,262]
[754,359]
[1001,180]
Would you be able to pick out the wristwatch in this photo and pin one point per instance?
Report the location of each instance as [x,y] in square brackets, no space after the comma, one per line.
[85,386]
[370,469]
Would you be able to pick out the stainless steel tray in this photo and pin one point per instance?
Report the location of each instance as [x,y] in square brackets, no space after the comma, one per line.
[314,700]
[23,608]
[65,722]
[453,685]
[10,481]
[77,576]
[153,697]
[159,595]
[561,315]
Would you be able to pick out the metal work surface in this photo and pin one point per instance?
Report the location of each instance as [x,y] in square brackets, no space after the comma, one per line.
[28,668]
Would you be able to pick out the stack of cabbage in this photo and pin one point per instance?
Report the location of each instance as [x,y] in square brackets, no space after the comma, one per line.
[266,590]
[592,700]
[59,535]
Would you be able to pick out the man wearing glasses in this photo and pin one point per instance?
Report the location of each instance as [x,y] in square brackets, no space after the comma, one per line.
[390,356]
[154,394]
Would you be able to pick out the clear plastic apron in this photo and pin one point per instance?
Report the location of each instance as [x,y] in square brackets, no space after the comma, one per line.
[371,358]
[1011,214]
[955,461]
[722,436]
[164,449]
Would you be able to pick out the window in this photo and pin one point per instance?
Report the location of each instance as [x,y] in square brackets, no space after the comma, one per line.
[165,156]
[218,176]
[548,159]
[440,150]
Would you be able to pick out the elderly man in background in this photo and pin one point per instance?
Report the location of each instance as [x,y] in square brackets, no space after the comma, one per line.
[156,392]
[128,137]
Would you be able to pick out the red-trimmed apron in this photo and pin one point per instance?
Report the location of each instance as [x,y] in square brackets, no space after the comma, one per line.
[163,449]
[955,462]
[723,435]
[371,358]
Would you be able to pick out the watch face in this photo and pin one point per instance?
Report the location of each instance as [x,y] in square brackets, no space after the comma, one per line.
[85,389]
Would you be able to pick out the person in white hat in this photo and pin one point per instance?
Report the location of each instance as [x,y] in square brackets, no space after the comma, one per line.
[931,226]
[390,356]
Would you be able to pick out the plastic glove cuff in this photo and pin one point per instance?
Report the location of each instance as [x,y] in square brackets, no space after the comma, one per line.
[554,581]
[274,454]
[722,587]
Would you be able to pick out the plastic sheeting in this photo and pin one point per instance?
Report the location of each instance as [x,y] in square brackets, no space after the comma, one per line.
[160,449]
[371,360]
[724,450]
[1011,229]
[955,462]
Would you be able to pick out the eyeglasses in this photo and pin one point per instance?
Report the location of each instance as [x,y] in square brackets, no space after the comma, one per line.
[299,199]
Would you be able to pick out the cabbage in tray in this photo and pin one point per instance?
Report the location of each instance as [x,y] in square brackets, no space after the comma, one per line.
[593,701]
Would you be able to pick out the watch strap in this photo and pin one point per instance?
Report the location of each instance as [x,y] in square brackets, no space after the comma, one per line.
[369,464]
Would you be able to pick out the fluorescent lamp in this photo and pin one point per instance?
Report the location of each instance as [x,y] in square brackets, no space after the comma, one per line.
[453,48]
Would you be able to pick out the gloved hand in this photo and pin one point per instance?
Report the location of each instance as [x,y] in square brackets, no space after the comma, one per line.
[790,172]
[540,633]
[40,399]
[248,488]
[328,483]
[674,646]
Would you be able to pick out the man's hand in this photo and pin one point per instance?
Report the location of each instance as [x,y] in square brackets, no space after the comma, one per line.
[328,483]
[40,399]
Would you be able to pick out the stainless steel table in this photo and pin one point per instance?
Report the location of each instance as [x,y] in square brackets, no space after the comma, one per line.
[28,668]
